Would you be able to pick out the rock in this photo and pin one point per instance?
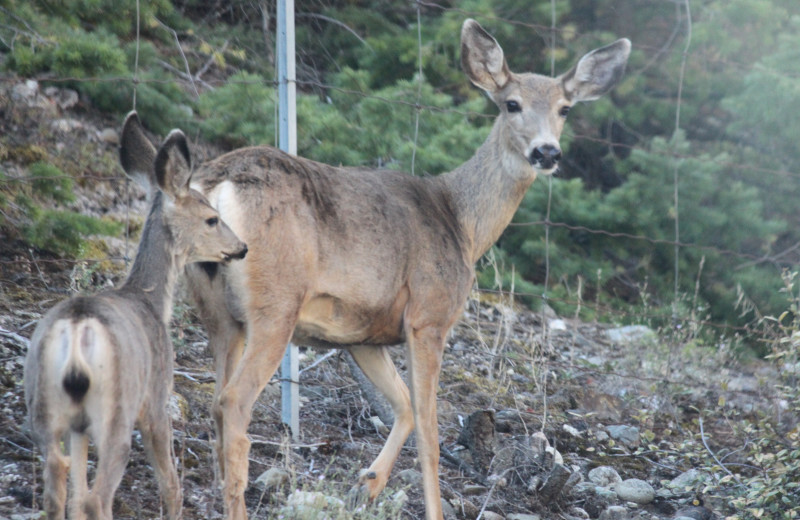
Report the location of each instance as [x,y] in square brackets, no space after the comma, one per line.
[410,476]
[635,490]
[448,511]
[523,516]
[571,430]
[574,479]
[557,324]
[694,513]
[627,435]
[66,125]
[274,478]
[108,135]
[604,476]
[178,408]
[630,334]
[580,513]
[471,490]
[542,452]
[614,513]
[491,515]
[312,505]
[400,499]
[65,98]
[25,91]
[478,437]
[687,480]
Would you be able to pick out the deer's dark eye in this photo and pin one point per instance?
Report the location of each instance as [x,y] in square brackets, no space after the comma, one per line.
[211,222]
[513,106]
[564,111]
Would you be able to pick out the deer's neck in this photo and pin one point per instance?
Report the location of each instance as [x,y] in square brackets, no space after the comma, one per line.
[487,190]
[156,267]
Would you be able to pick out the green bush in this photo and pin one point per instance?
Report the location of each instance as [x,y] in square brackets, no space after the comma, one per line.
[63,232]
[50,182]
[25,213]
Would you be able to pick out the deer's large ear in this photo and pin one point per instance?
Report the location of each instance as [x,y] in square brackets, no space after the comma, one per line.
[482,58]
[137,153]
[173,165]
[597,72]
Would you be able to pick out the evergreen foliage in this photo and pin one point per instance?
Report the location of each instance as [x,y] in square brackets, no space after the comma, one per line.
[359,85]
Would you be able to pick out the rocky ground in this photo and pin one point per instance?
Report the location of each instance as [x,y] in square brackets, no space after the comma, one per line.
[540,416]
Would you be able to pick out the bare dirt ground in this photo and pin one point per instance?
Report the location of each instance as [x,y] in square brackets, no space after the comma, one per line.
[574,383]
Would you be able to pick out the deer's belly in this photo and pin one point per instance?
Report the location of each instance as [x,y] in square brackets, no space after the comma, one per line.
[328,321]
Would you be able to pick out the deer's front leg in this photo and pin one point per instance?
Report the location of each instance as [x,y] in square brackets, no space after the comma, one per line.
[425,349]
[266,345]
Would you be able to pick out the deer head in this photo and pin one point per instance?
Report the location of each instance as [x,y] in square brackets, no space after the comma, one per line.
[198,233]
[533,108]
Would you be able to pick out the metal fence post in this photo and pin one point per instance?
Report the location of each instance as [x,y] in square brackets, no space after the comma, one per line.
[287,141]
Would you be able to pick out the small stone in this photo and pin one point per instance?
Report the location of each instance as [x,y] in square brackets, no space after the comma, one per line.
[65,98]
[687,479]
[614,513]
[577,512]
[308,502]
[108,135]
[26,90]
[410,476]
[571,430]
[491,515]
[635,490]
[630,334]
[471,490]
[604,476]
[627,435]
[178,408]
[448,511]
[274,478]
[400,499]
[557,324]
[66,125]
[523,516]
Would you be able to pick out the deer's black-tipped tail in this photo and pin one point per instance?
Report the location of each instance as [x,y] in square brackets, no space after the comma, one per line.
[76,383]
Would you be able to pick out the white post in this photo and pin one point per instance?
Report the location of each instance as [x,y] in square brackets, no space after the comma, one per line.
[287,141]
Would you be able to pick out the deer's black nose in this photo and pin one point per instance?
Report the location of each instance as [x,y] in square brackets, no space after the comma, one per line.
[545,156]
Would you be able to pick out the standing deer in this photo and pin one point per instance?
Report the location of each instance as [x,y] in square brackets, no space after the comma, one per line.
[99,364]
[364,259]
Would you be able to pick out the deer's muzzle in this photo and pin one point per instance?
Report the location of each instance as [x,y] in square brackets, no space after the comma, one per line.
[545,157]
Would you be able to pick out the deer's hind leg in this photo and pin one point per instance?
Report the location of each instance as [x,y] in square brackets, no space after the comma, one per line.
[377,365]
[113,452]
[79,455]
[156,432]
[55,479]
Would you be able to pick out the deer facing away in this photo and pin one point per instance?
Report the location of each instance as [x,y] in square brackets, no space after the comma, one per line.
[99,364]
[363,259]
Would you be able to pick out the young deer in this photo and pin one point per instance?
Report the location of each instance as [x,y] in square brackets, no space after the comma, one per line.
[362,259]
[99,364]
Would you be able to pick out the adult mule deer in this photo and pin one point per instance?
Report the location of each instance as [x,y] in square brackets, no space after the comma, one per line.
[362,259]
[99,364]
